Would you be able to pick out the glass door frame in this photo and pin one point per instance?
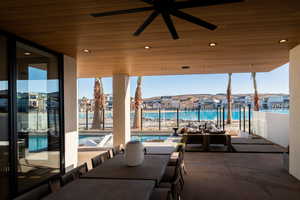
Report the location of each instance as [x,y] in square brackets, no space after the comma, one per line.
[12,105]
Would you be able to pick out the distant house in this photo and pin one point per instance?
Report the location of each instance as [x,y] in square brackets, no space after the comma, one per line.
[209,103]
[277,102]
[109,101]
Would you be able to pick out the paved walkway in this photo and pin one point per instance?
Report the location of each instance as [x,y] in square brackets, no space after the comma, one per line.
[233,176]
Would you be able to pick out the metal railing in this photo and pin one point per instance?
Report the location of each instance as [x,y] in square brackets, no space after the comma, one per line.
[165,119]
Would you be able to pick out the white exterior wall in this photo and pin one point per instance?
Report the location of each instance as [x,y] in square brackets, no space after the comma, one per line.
[121,109]
[272,126]
[71,115]
[295,112]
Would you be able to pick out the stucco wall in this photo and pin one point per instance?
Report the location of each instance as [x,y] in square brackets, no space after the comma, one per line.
[121,111]
[272,126]
[295,112]
[70,103]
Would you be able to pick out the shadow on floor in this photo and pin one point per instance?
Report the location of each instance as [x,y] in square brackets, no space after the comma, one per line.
[213,176]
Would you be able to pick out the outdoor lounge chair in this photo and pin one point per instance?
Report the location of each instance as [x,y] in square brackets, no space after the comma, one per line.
[36,194]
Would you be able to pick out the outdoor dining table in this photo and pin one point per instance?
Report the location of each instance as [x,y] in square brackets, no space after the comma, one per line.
[108,189]
[152,168]
[160,150]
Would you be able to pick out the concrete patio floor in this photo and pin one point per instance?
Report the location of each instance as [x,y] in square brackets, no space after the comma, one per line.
[240,176]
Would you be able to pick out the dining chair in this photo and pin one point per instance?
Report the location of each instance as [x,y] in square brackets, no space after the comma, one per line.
[67,178]
[97,160]
[54,184]
[82,169]
[118,149]
[74,174]
[111,153]
[161,194]
[173,179]
[36,194]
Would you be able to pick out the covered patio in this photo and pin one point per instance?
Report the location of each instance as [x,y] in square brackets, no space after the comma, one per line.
[251,36]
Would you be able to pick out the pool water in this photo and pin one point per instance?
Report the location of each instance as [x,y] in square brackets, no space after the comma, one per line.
[40,142]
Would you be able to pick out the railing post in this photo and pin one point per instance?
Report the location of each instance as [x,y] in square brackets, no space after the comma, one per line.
[223,118]
[244,109]
[177,118]
[86,119]
[199,113]
[141,119]
[240,117]
[159,119]
[103,118]
[37,119]
[218,116]
[249,116]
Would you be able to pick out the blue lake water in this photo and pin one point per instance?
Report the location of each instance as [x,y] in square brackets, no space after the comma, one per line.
[186,114]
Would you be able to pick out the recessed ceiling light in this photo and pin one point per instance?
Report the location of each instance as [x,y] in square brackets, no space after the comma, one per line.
[27,53]
[147,47]
[185,67]
[212,44]
[283,41]
[86,51]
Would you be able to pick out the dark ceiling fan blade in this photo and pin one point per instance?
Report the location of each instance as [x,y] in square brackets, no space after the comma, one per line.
[118,12]
[193,19]
[148,21]
[195,3]
[148,1]
[170,25]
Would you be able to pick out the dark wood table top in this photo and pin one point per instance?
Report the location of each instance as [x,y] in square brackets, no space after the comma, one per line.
[108,189]
[160,150]
[152,168]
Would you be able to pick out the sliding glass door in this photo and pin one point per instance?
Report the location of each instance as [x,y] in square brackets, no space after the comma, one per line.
[4,132]
[31,115]
[38,134]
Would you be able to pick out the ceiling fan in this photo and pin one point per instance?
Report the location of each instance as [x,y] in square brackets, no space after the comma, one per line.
[167,8]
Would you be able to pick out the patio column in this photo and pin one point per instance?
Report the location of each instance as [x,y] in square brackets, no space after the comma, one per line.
[70,109]
[121,109]
[294,132]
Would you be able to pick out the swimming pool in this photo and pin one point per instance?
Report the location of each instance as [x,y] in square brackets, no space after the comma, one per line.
[40,142]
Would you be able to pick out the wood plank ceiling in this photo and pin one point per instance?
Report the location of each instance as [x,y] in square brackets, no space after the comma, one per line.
[247,36]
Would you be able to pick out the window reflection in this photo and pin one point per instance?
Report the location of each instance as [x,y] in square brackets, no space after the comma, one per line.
[37,117]
[4,144]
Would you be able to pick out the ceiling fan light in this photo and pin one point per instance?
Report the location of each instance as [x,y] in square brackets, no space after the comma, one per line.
[86,51]
[282,41]
[212,44]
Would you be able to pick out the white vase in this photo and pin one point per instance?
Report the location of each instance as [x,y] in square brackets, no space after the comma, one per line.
[134,153]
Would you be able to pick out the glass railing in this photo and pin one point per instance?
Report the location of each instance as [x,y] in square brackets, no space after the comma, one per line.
[165,119]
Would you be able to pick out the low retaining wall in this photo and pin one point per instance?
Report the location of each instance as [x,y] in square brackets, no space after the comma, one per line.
[272,126]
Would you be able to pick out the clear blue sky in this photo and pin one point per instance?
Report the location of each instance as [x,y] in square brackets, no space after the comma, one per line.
[276,81]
